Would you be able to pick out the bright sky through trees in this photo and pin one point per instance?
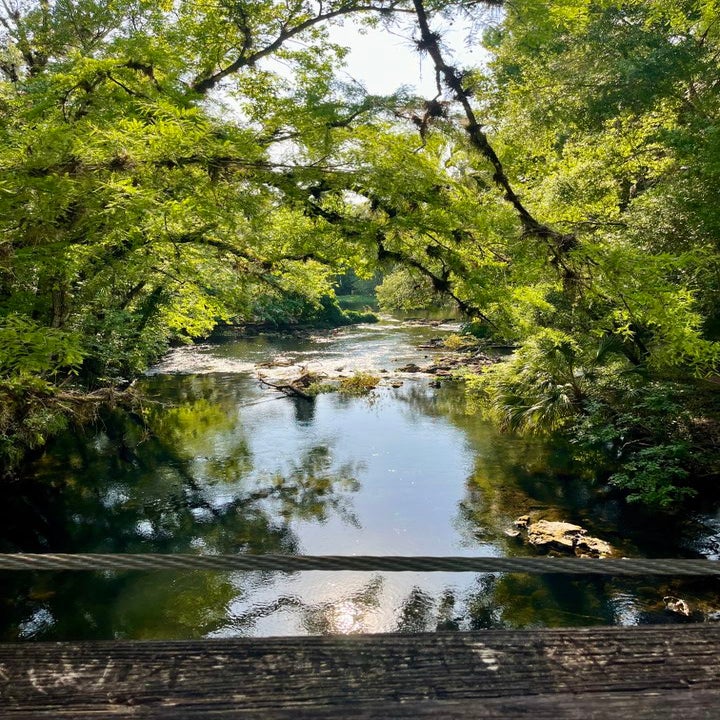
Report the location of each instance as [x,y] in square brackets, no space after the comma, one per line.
[383,60]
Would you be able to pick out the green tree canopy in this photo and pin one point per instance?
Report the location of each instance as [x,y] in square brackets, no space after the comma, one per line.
[168,166]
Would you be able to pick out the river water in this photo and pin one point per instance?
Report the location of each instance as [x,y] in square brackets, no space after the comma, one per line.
[217,462]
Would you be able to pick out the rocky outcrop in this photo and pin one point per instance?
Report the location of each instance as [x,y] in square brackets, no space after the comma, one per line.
[449,365]
[562,537]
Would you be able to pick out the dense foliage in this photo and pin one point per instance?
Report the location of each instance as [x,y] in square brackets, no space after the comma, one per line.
[144,197]
[617,149]
[169,166]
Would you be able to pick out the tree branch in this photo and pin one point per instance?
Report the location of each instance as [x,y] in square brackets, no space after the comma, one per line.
[203,85]
[286,388]
[559,243]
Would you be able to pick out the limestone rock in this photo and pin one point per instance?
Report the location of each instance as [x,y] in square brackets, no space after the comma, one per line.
[676,605]
[565,537]
[410,368]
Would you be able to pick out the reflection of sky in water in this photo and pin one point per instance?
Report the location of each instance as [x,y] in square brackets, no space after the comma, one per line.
[411,471]
[309,603]
[341,602]
[35,624]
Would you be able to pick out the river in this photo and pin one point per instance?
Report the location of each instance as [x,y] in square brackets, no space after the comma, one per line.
[216,462]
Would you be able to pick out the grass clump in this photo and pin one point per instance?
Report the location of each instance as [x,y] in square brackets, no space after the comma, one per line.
[359,383]
[320,387]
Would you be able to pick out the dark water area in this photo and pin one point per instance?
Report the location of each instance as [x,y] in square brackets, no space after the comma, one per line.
[218,463]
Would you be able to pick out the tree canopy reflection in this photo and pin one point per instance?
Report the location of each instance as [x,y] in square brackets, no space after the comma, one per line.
[180,479]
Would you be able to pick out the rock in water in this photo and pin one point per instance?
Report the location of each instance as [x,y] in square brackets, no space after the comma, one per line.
[676,605]
[410,368]
[565,537]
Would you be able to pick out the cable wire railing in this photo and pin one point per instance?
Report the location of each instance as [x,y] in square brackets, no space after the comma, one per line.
[375,563]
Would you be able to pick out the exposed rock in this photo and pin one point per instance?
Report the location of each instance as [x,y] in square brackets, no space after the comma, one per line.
[410,368]
[563,537]
[396,384]
[676,605]
[277,361]
[557,535]
[512,533]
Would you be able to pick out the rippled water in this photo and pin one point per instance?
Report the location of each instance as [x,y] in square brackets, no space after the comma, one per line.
[219,463]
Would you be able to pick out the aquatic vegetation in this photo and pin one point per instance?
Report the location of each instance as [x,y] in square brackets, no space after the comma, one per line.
[359,383]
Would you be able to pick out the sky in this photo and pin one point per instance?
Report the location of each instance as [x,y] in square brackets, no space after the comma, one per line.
[384,60]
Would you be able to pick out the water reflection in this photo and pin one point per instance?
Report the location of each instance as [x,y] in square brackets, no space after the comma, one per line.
[352,614]
[96,606]
[181,479]
[218,464]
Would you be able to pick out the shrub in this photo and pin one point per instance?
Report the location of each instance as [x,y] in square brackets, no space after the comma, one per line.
[320,387]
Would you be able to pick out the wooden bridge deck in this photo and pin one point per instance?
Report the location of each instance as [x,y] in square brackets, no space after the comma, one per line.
[651,672]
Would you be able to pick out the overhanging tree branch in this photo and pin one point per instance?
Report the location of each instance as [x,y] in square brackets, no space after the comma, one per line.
[202,85]
[559,243]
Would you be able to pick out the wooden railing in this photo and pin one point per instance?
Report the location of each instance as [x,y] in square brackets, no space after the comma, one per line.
[670,671]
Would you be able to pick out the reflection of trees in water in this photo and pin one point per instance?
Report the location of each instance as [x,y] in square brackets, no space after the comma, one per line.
[516,475]
[181,480]
[509,457]
[548,601]
[422,612]
[304,410]
[105,606]
[351,612]
[506,601]
[527,601]
[511,475]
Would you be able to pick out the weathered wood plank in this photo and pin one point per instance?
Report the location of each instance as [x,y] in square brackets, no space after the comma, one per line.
[580,673]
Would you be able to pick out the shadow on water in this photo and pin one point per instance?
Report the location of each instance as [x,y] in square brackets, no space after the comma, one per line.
[218,464]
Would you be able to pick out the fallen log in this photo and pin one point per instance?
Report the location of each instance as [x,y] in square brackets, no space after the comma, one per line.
[287,388]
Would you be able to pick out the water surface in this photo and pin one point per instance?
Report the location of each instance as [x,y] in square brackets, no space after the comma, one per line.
[219,463]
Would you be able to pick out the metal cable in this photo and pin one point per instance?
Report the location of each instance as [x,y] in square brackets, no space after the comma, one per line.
[293,563]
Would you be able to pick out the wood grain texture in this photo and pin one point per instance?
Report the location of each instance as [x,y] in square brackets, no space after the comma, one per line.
[668,672]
